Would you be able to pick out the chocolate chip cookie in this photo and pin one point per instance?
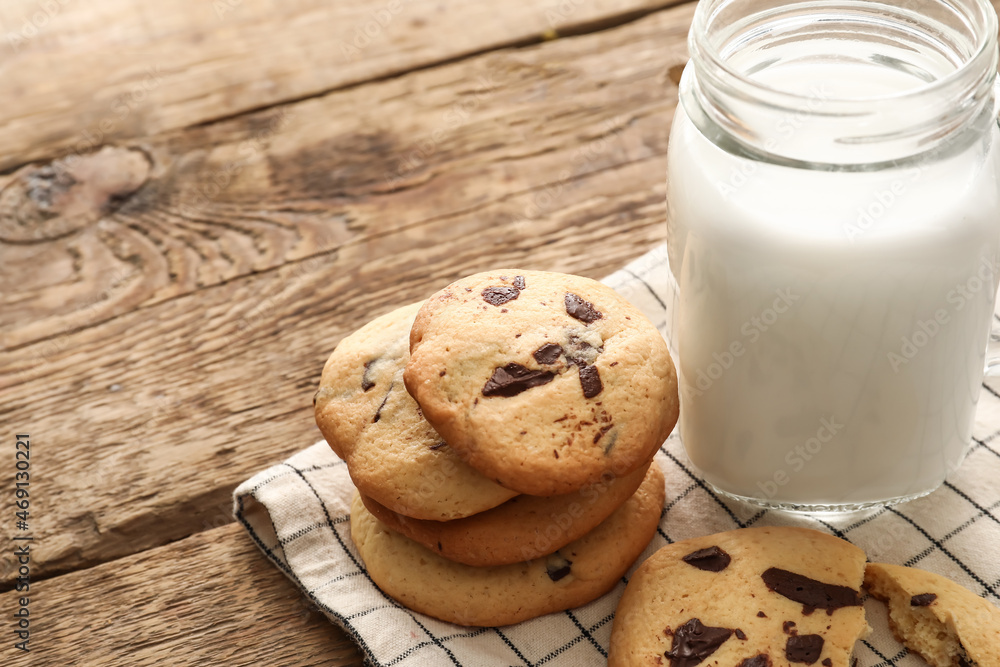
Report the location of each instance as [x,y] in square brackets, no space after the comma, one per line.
[946,624]
[542,381]
[756,597]
[392,453]
[488,596]
[523,528]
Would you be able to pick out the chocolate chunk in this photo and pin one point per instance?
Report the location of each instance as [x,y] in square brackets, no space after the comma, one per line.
[581,309]
[590,381]
[378,413]
[694,641]
[519,282]
[600,433]
[712,559]
[963,658]
[497,296]
[761,614]
[804,648]
[548,353]
[512,379]
[922,600]
[788,627]
[827,662]
[557,567]
[742,636]
[366,380]
[762,660]
[810,593]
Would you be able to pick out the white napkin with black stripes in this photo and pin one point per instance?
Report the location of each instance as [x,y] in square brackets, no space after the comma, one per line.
[298,513]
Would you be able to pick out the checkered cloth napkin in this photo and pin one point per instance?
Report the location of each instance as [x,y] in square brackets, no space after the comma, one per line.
[298,513]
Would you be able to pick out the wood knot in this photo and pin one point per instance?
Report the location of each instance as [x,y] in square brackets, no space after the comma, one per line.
[45,202]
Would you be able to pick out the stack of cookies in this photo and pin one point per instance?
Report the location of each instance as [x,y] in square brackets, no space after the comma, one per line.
[501,436]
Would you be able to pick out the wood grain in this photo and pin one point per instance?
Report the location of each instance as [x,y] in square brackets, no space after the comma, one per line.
[84,75]
[146,422]
[212,599]
[247,195]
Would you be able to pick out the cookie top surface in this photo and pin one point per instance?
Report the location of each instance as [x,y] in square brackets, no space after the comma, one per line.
[371,422]
[753,597]
[542,381]
[523,528]
[936,617]
[489,596]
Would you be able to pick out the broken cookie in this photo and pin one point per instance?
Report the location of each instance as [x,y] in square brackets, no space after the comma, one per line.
[945,623]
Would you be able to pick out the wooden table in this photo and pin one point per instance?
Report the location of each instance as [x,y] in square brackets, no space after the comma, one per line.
[200,198]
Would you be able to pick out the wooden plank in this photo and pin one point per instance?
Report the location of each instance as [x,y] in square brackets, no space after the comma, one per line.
[85,74]
[247,195]
[145,422]
[211,204]
[212,599]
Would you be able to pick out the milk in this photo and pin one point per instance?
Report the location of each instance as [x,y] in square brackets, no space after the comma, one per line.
[832,324]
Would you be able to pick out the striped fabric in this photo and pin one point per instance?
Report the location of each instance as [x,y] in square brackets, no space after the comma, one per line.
[297,512]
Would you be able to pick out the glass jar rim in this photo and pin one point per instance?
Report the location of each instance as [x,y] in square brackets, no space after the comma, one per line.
[701,48]
[834,130]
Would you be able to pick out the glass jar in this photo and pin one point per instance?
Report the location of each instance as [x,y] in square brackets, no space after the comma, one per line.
[834,231]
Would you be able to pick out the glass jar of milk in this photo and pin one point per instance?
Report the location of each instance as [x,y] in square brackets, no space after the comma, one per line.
[834,230]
